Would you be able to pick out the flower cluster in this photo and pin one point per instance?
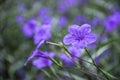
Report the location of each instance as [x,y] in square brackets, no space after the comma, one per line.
[77,39]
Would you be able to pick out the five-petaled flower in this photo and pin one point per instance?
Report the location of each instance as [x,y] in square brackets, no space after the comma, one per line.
[79,37]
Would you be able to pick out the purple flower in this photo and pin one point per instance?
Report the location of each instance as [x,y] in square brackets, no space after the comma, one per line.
[35,52]
[43,58]
[21,7]
[62,8]
[29,27]
[112,22]
[67,4]
[62,21]
[46,20]
[92,46]
[79,19]
[79,37]
[44,14]
[75,54]
[43,11]
[43,33]
[95,21]
[20,19]
[42,62]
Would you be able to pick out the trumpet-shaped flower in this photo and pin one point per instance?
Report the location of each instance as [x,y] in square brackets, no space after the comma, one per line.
[44,60]
[79,37]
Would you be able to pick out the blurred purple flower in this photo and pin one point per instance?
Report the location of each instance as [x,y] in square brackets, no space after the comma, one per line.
[83,2]
[75,54]
[62,21]
[71,3]
[43,11]
[62,8]
[43,58]
[35,52]
[20,19]
[95,21]
[44,61]
[43,33]
[67,4]
[44,14]
[111,22]
[46,20]
[79,19]
[29,27]
[92,46]
[20,74]
[79,37]
[22,7]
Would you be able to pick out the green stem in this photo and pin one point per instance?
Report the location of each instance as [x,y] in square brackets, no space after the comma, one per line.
[56,44]
[54,61]
[95,64]
[54,72]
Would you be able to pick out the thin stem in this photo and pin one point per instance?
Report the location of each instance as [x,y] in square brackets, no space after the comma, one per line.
[52,69]
[56,44]
[79,58]
[95,64]
[59,65]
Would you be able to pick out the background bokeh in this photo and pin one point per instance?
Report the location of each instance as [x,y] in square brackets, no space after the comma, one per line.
[15,47]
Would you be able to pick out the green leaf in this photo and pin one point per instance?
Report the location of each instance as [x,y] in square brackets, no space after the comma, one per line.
[111,76]
[109,42]
[73,75]
[46,73]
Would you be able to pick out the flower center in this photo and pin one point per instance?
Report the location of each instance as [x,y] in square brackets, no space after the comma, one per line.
[80,38]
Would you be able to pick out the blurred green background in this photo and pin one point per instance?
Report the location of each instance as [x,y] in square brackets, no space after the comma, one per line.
[15,47]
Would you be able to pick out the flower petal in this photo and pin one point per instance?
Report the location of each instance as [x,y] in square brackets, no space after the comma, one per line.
[68,39]
[40,43]
[74,52]
[90,38]
[73,28]
[35,52]
[65,58]
[39,63]
[42,62]
[79,45]
[85,28]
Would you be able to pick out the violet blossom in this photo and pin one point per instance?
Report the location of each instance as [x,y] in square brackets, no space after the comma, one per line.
[29,27]
[42,33]
[20,19]
[35,52]
[62,21]
[79,19]
[75,54]
[112,22]
[44,14]
[79,36]
[43,58]
[67,4]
